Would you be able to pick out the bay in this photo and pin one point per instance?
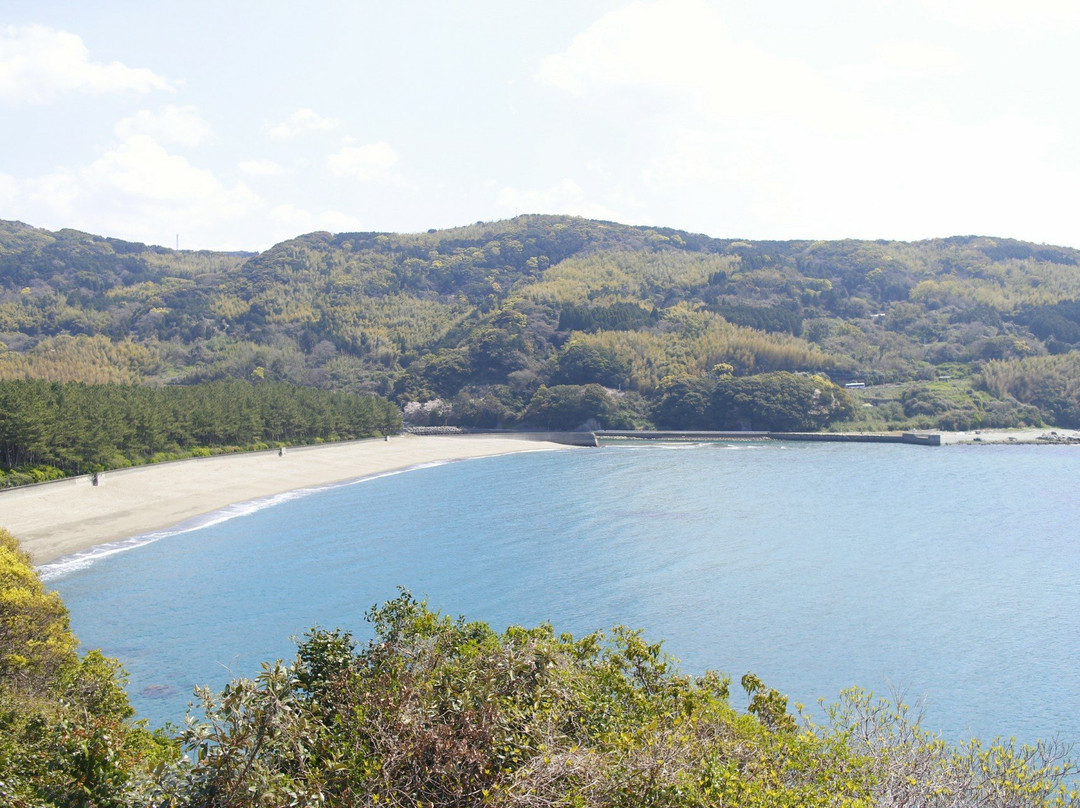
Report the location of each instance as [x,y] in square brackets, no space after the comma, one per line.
[951,575]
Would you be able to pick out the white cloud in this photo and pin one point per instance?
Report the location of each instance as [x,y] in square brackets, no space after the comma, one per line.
[566,197]
[140,171]
[682,48]
[915,178]
[261,168]
[897,61]
[742,138]
[170,124]
[652,44]
[39,63]
[139,190]
[367,162]
[1022,17]
[290,220]
[909,59]
[302,122]
[56,192]
[695,155]
[9,190]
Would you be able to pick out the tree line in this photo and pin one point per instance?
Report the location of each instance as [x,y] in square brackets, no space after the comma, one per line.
[74,428]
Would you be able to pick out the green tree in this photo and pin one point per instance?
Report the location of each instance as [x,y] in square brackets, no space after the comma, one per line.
[583,363]
[684,402]
[784,402]
[565,406]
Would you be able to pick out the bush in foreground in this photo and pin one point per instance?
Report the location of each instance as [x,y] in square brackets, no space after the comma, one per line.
[66,736]
[436,711]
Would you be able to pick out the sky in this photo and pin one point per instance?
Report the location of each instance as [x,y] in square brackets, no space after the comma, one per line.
[233,125]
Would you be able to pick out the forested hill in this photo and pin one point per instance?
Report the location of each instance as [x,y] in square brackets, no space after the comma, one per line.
[558,321]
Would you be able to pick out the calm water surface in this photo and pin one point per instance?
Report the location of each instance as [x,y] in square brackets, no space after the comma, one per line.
[952,574]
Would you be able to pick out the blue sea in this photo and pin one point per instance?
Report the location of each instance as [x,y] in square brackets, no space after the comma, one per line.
[951,575]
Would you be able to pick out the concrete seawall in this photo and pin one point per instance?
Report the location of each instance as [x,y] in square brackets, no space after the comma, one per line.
[565,438]
[679,434]
[584,438]
[912,438]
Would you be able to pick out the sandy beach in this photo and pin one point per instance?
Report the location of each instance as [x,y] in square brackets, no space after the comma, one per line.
[57,519]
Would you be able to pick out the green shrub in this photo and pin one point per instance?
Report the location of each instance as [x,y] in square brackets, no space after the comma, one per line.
[66,738]
[445,712]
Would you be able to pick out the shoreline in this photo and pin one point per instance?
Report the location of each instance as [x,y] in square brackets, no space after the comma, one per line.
[62,518]
[67,517]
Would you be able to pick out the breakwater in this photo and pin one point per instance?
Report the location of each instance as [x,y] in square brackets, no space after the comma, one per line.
[913,438]
[567,438]
[595,437]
